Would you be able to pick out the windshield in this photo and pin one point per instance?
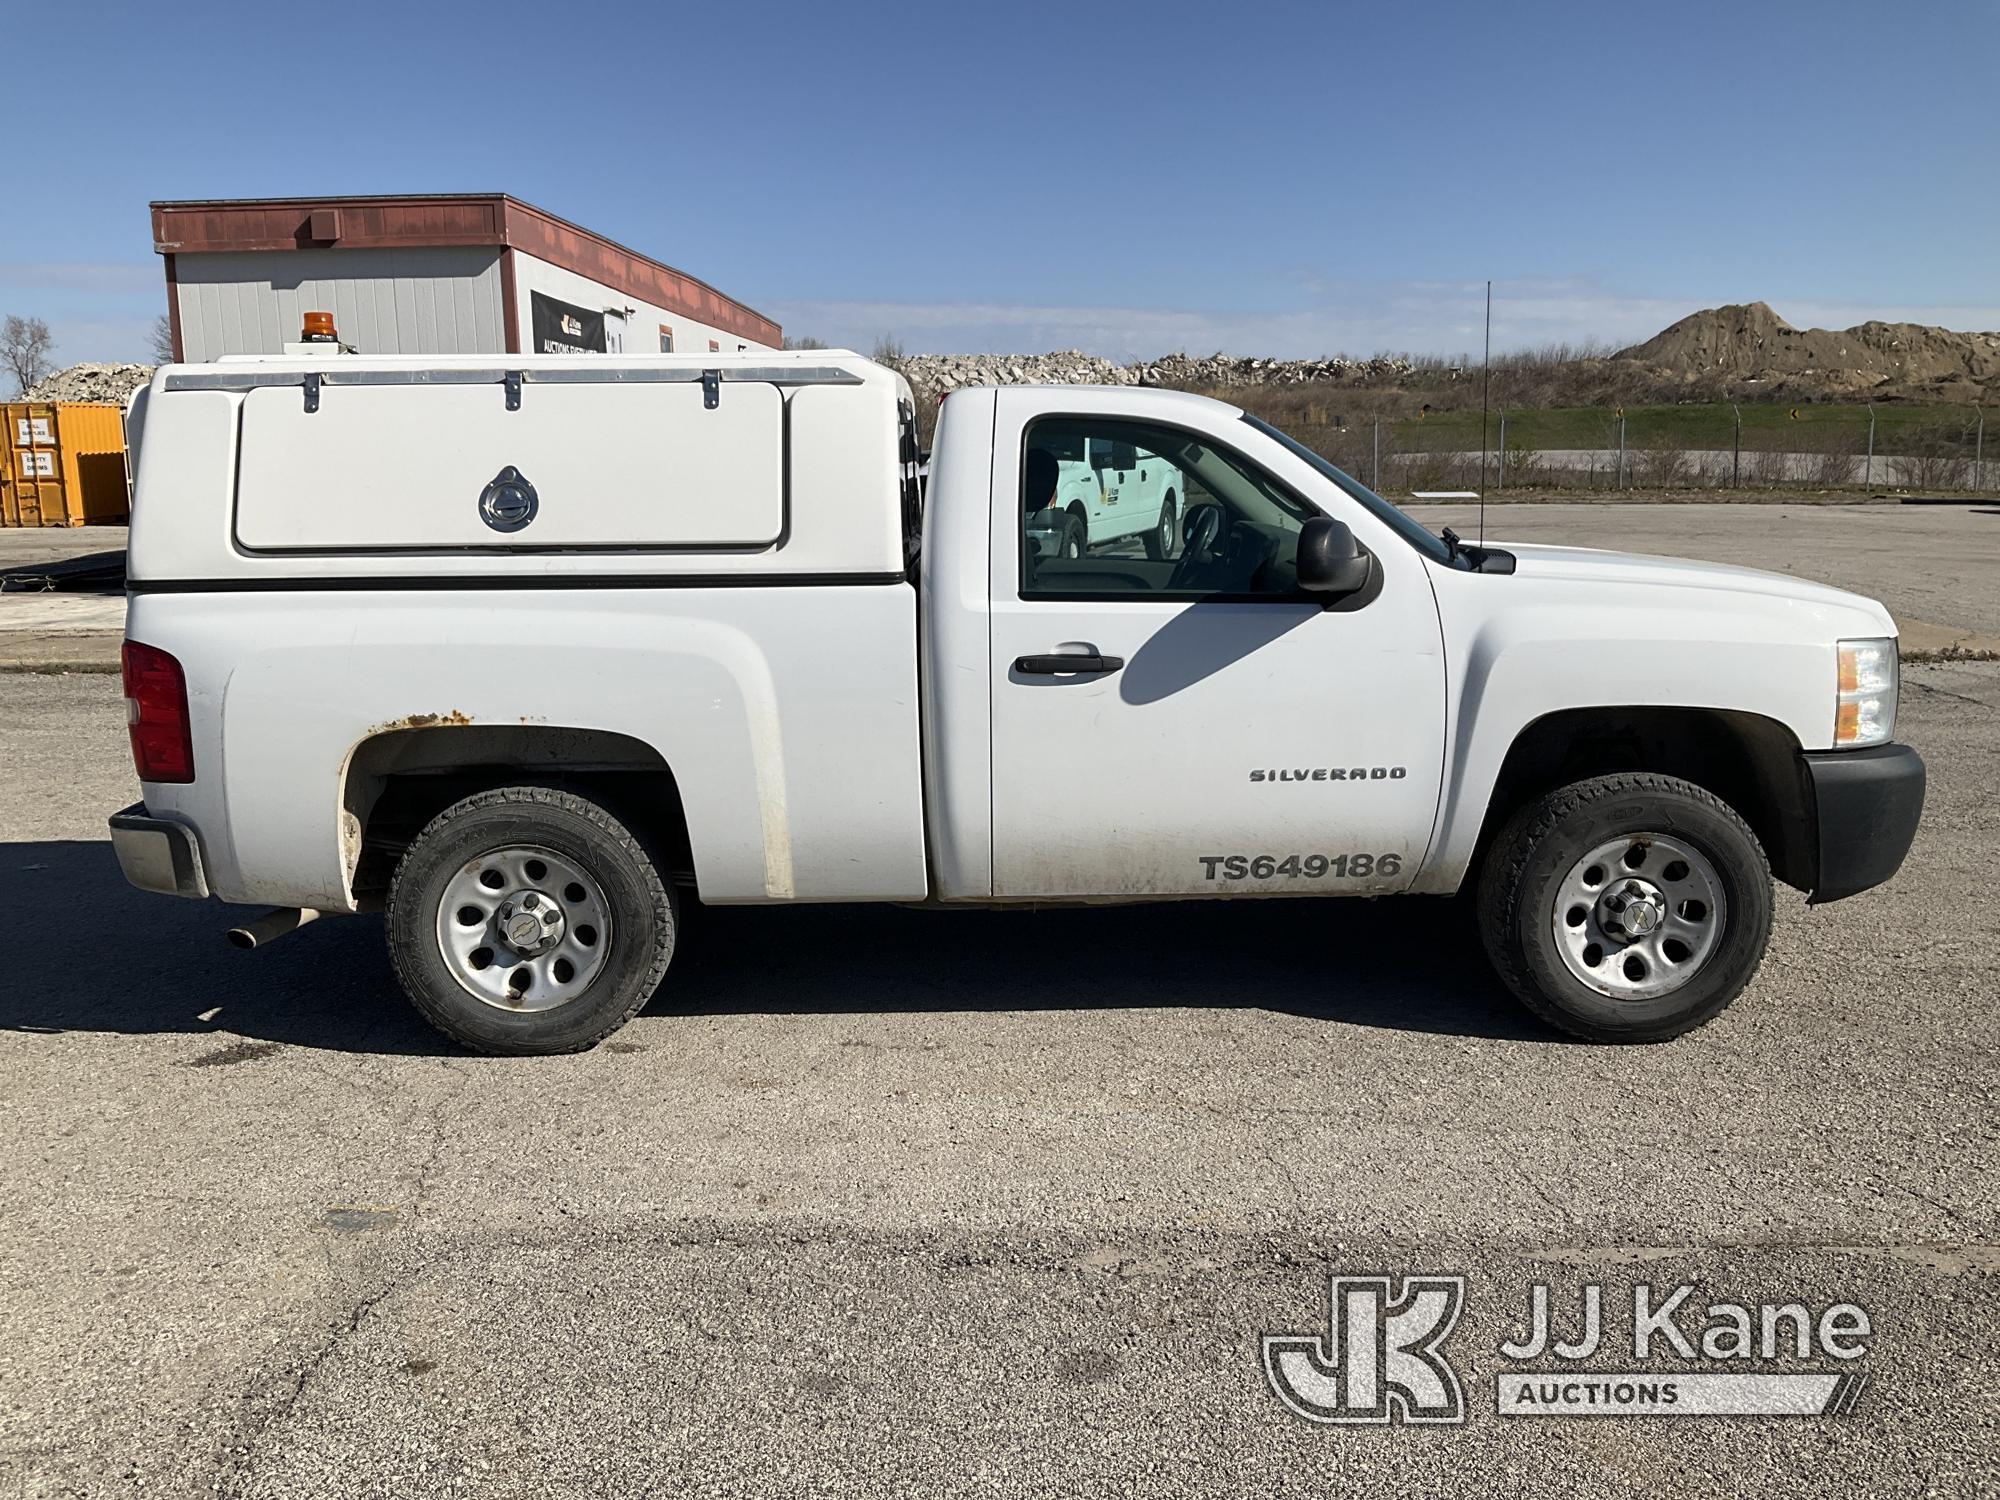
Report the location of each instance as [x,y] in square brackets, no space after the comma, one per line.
[1383,511]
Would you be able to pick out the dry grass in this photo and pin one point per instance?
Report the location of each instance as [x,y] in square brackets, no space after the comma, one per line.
[1667,465]
[1935,460]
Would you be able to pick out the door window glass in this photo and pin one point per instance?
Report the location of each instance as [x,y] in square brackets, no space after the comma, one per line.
[1112,507]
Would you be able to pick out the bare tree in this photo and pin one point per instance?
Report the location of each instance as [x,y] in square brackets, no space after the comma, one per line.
[888,351]
[804,343]
[160,342]
[25,345]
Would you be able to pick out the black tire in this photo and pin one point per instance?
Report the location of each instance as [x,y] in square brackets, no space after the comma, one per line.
[1543,842]
[1075,534]
[638,948]
[1161,540]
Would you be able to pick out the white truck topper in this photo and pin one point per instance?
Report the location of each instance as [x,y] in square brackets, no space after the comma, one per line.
[778,463]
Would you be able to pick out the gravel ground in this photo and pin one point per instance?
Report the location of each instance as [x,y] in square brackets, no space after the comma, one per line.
[883,1201]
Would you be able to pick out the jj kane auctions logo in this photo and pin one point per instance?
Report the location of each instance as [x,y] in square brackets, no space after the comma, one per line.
[1382,1358]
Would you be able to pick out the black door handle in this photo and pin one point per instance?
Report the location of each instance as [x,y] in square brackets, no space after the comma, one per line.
[1051,666]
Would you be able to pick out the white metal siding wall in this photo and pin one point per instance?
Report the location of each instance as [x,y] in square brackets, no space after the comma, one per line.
[433,300]
[642,328]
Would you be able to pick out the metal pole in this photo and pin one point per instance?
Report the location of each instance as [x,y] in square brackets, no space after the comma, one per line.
[1736,454]
[1501,482]
[1868,469]
[1485,393]
[1620,479]
[1979,453]
[1378,456]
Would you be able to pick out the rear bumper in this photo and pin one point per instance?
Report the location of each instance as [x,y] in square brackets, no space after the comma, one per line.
[1867,804]
[156,854]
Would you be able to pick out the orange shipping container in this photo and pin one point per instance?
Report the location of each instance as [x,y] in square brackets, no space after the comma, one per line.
[62,463]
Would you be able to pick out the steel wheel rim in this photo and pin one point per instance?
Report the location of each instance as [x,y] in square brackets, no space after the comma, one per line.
[1167,529]
[523,928]
[1639,916]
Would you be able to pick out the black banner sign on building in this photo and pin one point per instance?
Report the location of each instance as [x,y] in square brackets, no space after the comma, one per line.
[563,328]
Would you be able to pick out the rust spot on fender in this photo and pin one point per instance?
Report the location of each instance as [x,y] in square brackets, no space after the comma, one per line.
[424,721]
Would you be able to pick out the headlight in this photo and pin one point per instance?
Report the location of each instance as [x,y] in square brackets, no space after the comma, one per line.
[1864,710]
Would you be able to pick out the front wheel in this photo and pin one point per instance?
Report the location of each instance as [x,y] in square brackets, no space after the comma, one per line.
[1627,908]
[529,920]
[1074,539]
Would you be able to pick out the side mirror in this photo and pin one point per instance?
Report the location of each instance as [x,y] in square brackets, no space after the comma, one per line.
[1330,560]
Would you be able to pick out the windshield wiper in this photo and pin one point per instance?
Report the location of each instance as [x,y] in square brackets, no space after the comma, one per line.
[1453,546]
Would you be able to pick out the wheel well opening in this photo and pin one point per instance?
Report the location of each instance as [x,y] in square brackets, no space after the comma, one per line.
[397,781]
[1749,761]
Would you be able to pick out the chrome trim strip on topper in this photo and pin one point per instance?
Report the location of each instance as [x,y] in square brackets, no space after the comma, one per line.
[583,375]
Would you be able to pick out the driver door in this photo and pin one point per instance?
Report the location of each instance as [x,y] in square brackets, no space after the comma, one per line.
[1220,733]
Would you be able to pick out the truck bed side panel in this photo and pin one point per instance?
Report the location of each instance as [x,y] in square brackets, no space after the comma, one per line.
[794,743]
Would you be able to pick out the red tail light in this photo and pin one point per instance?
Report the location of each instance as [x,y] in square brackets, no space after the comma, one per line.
[156,711]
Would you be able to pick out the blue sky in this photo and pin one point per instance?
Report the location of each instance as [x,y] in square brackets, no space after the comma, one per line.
[1130,179]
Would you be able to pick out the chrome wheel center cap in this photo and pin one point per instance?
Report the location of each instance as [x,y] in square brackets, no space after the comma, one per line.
[531,922]
[1633,908]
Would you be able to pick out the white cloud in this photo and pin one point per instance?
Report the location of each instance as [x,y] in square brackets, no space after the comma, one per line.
[1418,317]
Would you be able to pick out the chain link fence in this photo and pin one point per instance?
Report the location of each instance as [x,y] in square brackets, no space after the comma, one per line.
[1913,449]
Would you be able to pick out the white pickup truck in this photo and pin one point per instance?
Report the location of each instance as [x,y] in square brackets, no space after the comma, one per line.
[528,653]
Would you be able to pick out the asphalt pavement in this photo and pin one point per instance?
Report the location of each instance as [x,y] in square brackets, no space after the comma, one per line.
[902,1201]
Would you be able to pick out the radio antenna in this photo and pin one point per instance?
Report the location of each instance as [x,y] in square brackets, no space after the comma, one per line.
[1485,389]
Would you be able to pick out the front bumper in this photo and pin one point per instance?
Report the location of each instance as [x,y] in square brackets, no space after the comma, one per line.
[157,854]
[1866,806]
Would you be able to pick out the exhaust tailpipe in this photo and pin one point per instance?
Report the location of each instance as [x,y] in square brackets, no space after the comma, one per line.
[271,926]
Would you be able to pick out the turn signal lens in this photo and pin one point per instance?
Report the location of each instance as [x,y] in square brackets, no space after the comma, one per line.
[1865,693]
[156,714]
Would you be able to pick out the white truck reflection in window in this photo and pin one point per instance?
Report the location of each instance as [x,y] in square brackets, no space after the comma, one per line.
[1109,492]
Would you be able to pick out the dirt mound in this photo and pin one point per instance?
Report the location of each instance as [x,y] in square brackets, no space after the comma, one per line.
[1749,343]
[111,383]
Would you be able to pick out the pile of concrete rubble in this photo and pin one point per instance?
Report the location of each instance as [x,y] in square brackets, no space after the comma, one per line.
[111,383]
[948,372]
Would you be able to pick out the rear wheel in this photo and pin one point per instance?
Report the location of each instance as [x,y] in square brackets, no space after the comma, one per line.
[529,920]
[1626,908]
[1164,539]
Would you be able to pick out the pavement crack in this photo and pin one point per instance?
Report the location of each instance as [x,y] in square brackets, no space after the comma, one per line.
[1534,1186]
[1922,1197]
[439,1134]
[1283,1169]
[1935,691]
[245,1449]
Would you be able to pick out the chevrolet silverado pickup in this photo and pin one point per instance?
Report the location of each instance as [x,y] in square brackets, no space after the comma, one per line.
[527,652]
